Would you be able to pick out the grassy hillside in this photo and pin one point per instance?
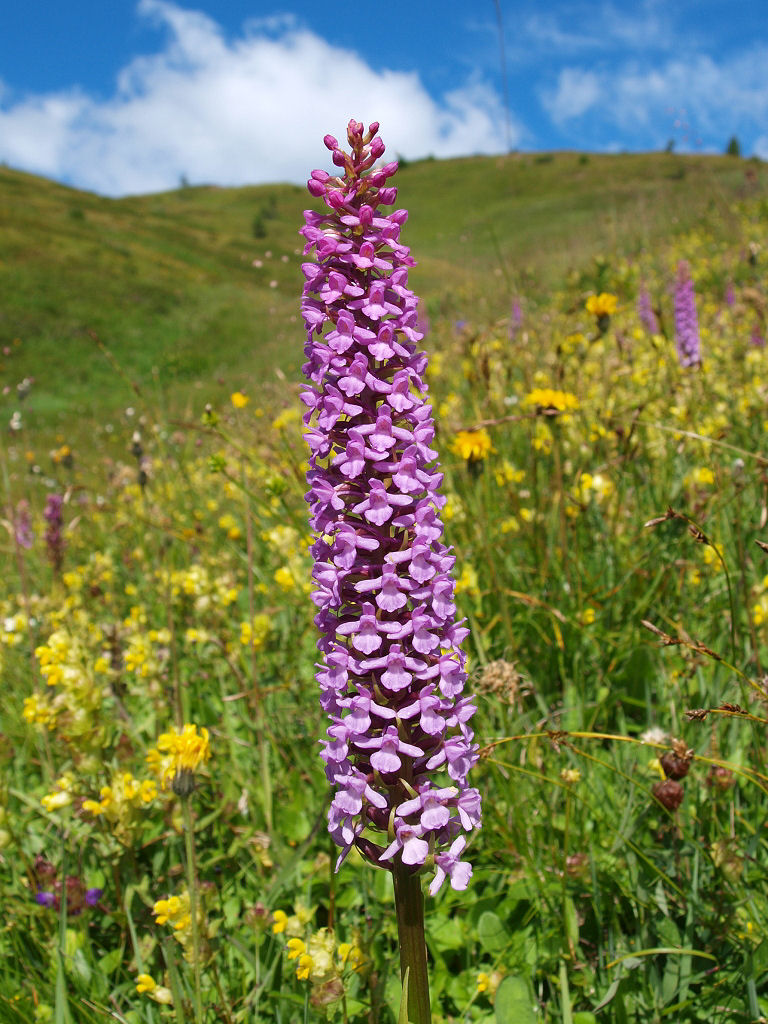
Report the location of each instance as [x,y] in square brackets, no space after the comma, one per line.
[163,846]
[167,283]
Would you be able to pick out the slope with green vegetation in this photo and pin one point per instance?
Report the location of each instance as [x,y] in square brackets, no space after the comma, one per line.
[194,292]
[163,845]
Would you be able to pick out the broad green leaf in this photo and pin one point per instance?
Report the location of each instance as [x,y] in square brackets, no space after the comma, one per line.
[446,934]
[110,961]
[514,1002]
[491,932]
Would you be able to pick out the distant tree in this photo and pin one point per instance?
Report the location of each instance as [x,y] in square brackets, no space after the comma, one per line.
[183,181]
[258,227]
[734,147]
[670,146]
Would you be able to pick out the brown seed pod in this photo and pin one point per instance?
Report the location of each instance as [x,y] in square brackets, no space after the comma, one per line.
[669,793]
[674,767]
[720,777]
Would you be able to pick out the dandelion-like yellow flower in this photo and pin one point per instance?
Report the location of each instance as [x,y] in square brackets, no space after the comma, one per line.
[603,304]
[550,401]
[472,445]
[239,400]
[177,756]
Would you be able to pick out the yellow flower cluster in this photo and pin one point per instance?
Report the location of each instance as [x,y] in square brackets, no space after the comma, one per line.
[319,959]
[255,633]
[472,445]
[179,753]
[601,305]
[550,401]
[597,488]
[699,478]
[70,666]
[120,802]
[62,795]
[146,985]
[176,912]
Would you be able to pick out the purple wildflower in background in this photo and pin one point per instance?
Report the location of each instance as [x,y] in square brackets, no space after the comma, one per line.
[77,897]
[399,745]
[22,527]
[54,539]
[756,337]
[686,323]
[645,311]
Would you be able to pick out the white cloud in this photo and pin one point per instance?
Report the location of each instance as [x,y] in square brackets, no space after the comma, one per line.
[588,27]
[576,92]
[717,98]
[251,109]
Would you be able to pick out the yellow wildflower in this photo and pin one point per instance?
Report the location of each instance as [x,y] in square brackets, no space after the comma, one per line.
[61,796]
[506,473]
[700,477]
[296,948]
[178,755]
[286,419]
[550,401]
[570,776]
[285,578]
[304,966]
[351,956]
[37,710]
[472,445]
[160,994]
[603,304]
[229,523]
[467,581]
[279,921]
[255,633]
[239,400]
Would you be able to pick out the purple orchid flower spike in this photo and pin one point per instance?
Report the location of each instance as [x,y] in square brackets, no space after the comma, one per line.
[686,322]
[399,745]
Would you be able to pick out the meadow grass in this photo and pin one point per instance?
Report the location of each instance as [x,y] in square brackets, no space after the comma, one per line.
[607,562]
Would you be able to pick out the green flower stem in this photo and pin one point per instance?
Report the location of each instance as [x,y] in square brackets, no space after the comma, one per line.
[189,849]
[409,904]
[257,702]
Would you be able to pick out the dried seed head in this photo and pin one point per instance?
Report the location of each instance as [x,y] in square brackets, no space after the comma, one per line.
[720,777]
[674,767]
[502,678]
[669,793]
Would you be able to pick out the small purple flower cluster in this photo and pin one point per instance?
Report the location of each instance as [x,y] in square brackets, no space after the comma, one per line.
[686,323]
[54,538]
[645,311]
[50,889]
[399,744]
[22,528]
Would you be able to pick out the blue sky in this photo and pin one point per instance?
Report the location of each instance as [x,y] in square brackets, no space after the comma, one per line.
[126,96]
